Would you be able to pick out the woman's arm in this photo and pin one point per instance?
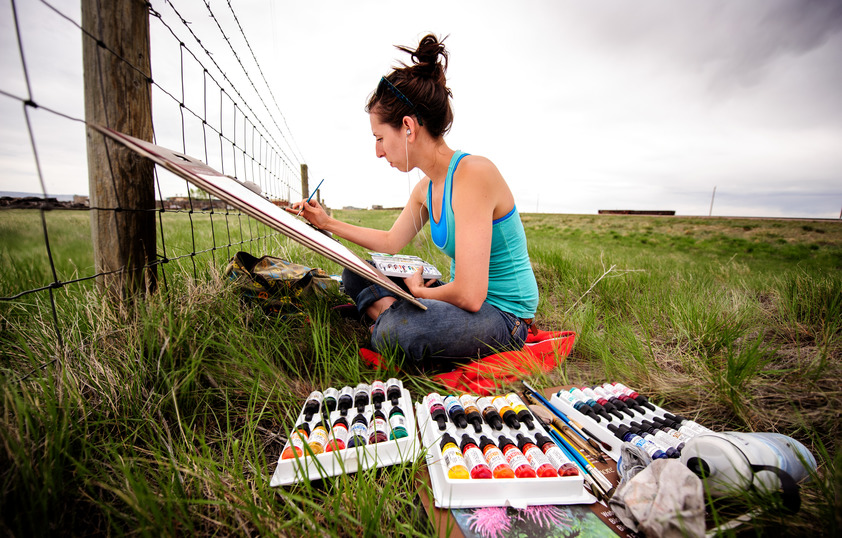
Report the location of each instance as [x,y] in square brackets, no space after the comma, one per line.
[406,226]
[478,191]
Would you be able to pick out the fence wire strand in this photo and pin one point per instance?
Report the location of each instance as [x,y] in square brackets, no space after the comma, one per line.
[264,159]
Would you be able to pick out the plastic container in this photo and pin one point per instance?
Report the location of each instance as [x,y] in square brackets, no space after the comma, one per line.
[736,461]
[473,493]
[353,459]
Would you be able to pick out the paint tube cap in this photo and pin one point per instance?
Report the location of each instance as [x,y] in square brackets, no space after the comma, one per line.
[633,404]
[360,418]
[445,439]
[466,440]
[523,440]
[460,421]
[541,439]
[667,422]
[505,441]
[477,422]
[619,431]
[584,408]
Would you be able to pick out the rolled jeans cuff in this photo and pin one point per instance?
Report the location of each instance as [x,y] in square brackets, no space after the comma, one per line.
[369,295]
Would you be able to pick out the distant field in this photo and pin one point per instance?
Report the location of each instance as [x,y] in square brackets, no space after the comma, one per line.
[167,416]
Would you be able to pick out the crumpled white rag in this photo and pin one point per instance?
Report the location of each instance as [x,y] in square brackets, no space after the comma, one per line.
[664,499]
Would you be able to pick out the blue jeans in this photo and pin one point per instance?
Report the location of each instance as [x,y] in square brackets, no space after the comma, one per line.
[442,332]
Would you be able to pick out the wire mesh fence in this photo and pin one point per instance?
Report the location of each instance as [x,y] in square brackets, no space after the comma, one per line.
[210,99]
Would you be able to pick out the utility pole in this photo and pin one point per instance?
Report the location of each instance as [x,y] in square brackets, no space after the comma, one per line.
[117,78]
[711,201]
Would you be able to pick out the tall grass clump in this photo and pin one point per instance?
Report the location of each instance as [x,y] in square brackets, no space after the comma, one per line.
[168,420]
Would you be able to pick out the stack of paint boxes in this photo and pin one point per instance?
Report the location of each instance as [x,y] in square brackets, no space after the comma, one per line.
[349,429]
[491,451]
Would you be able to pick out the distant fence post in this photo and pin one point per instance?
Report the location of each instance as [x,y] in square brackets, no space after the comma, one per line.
[117,75]
[305,182]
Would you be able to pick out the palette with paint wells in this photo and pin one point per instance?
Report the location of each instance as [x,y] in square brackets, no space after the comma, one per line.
[401,265]
[346,430]
[491,451]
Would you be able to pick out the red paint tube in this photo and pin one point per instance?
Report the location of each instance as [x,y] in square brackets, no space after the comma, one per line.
[516,459]
[296,441]
[339,435]
[474,459]
[536,458]
[496,460]
[562,463]
[378,428]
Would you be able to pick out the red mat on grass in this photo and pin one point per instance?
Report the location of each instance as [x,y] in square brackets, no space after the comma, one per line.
[542,352]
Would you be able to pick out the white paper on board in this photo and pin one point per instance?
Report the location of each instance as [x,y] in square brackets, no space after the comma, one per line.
[244,199]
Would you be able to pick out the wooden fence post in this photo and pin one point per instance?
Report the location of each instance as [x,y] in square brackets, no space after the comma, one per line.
[122,189]
[305,183]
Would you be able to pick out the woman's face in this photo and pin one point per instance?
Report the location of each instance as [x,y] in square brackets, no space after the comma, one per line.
[390,143]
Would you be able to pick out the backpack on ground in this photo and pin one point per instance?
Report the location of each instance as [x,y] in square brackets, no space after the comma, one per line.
[277,285]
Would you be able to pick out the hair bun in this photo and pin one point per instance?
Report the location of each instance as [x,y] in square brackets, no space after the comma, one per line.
[425,58]
[418,89]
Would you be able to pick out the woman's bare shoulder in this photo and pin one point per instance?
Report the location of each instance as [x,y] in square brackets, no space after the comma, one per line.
[477,169]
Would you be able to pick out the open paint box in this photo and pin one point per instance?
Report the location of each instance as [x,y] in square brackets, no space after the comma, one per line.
[397,438]
[471,493]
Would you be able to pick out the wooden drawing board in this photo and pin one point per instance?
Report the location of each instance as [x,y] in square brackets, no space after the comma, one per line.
[241,197]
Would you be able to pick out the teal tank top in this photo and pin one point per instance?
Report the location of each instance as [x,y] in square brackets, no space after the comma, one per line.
[511,282]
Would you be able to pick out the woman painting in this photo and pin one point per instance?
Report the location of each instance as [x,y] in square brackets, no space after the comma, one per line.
[490,301]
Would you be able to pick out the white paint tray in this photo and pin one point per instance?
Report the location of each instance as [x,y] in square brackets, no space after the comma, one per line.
[597,428]
[351,460]
[471,493]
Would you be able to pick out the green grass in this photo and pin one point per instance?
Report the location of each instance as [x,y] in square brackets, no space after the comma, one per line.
[166,417]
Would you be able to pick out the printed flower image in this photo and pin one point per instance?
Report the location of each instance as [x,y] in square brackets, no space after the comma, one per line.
[532,522]
[547,516]
[491,522]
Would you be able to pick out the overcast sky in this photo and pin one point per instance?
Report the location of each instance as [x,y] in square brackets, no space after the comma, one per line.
[581,105]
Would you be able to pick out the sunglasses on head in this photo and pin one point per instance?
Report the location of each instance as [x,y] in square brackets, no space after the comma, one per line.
[384,82]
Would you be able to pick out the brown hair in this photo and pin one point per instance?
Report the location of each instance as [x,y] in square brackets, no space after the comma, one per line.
[423,83]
